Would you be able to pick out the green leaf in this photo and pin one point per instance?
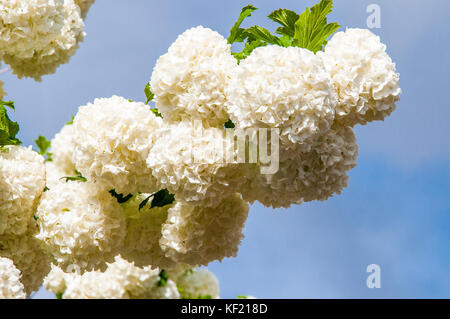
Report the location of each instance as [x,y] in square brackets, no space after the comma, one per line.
[9,104]
[236,32]
[71,120]
[312,29]
[160,198]
[287,19]
[155,111]
[79,177]
[241,297]
[249,47]
[120,197]
[144,202]
[148,93]
[204,297]
[59,295]
[8,128]
[256,33]
[163,277]
[229,124]
[286,41]
[43,144]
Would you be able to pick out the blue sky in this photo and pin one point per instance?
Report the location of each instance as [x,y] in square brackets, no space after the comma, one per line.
[394,213]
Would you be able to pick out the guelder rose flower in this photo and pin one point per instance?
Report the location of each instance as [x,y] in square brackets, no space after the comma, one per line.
[26,253]
[39,35]
[190,161]
[199,234]
[120,280]
[189,80]
[141,244]
[62,149]
[22,182]
[285,88]
[198,283]
[307,176]
[364,76]
[112,139]
[80,225]
[10,285]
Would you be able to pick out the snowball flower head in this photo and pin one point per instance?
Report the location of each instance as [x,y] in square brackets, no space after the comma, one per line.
[364,76]
[191,162]
[121,280]
[198,283]
[189,80]
[307,176]
[112,139]
[285,88]
[143,232]
[10,285]
[80,225]
[39,35]
[22,182]
[26,253]
[199,234]
[62,148]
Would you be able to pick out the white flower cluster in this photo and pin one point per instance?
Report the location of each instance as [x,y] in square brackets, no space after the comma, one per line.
[313,100]
[61,149]
[120,280]
[307,176]
[22,182]
[199,234]
[38,35]
[189,81]
[364,77]
[26,253]
[284,88]
[111,141]
[189,161]
[198,283]
[131,193]
[80,225]
[10,285]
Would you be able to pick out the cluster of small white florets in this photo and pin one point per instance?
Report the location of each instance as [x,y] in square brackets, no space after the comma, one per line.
[120,280]
[80,225]
[189,81]
[22,183]
[198,283]
[28,257]
[111,142]
[363,75]
[38,35]
[120,155]
[10,285]
[124,280]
